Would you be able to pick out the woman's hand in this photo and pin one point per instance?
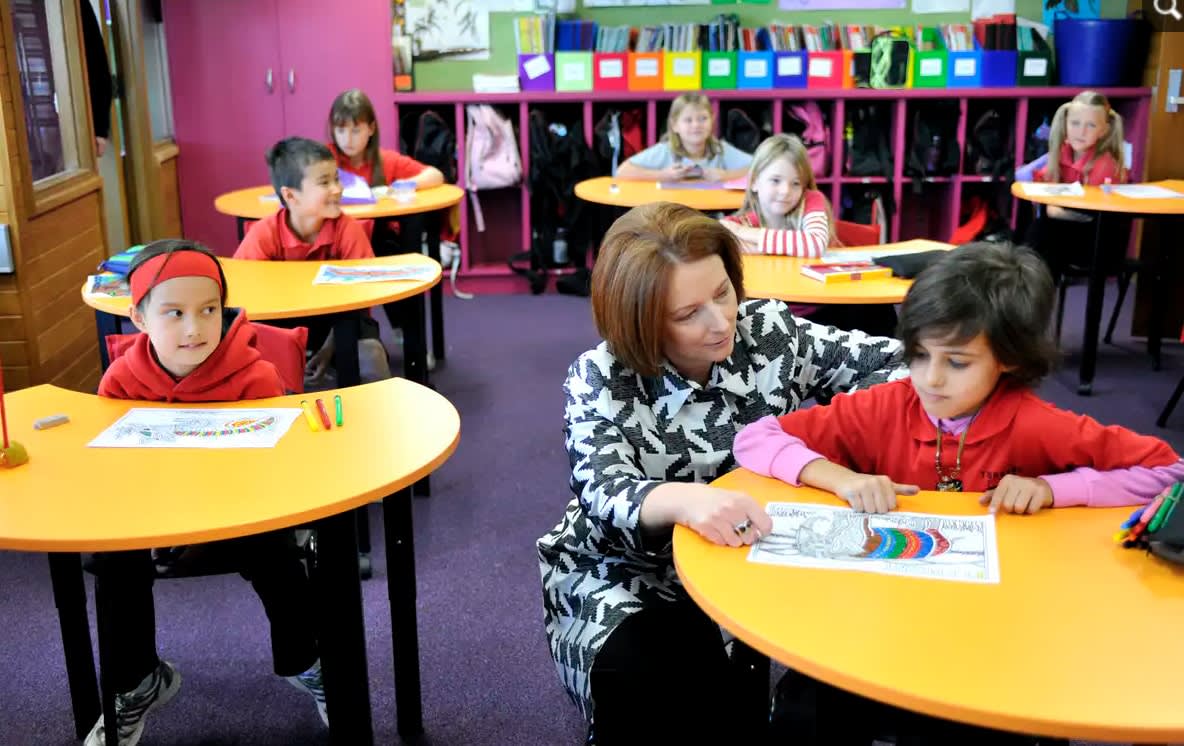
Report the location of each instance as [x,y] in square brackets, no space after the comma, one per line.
[872,493]
[711,512]
[716,514]
[1018,495]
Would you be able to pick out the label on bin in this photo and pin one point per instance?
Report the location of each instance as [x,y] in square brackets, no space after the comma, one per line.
[930,68]
[612,69]
[646,68]
[536,66]
[684,67]
[821,67]
[719,68]
[758,68]
[788,67]
[1035,67]
[573,72]
[965,67]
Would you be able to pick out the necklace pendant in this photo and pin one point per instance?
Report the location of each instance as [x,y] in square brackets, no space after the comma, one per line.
[949,484]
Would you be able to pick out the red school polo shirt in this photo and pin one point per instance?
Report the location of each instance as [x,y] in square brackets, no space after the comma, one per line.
[272,239]
[395,165]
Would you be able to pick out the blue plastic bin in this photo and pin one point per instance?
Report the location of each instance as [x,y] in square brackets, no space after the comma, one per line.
[1097,51]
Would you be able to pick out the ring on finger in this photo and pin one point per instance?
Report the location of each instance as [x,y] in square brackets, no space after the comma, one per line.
[742,527]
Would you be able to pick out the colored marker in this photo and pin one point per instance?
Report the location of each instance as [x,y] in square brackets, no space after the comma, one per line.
[309,416]
[324,415]
[337,406]
[1165,512]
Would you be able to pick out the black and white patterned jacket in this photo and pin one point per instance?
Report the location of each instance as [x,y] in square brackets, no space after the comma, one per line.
[627,433]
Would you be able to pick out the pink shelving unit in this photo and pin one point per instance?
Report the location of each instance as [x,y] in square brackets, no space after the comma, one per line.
[934,215]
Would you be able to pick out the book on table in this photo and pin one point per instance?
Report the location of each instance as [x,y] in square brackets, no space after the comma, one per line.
[829,272]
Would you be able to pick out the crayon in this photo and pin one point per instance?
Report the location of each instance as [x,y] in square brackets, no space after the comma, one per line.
[309,416]
[324,415]
[337,406]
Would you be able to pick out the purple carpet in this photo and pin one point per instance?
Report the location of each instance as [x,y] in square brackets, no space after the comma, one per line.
[487,676]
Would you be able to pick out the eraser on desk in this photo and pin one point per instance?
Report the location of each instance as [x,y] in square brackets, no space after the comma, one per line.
[52,421]
[613,188]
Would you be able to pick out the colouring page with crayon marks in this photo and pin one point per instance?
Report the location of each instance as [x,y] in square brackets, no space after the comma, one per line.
[197,428]
[338,274]
[919,545]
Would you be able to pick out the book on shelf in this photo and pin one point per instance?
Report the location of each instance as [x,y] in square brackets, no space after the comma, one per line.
[827,272]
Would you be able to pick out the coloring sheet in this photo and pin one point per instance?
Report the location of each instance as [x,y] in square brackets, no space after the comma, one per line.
[335,274]
[1145,191]
[197,428]
[919,545]
[1040,189]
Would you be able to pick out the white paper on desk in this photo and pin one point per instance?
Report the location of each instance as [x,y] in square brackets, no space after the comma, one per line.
[919,545]
[197,428]
[1040,189]
[1145,191]
[866,255]
[337,274]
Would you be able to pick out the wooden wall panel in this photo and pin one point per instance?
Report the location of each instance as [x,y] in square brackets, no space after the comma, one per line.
[171,197]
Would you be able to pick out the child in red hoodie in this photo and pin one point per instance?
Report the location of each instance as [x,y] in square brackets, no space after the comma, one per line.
[194,349]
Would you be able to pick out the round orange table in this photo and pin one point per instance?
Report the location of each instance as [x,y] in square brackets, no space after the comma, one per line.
[606,190]
[70,498]
[1099,202]
[258,202]
[1079,639]
[781,277]
[282,290]
[254,203]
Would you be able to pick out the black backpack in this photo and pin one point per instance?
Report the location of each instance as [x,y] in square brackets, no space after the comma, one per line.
[559,159]
[428,139]
[741,132]
[933,149]
[868,153]
[990,149]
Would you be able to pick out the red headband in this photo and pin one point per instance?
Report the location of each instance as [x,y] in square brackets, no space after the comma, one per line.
[163,267]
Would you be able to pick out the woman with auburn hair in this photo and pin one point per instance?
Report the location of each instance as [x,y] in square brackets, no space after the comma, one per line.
[649,419]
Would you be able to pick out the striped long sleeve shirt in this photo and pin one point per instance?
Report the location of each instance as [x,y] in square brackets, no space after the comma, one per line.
[809,239]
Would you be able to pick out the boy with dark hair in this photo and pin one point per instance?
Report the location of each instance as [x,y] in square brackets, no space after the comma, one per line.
[194,349]
[310,226]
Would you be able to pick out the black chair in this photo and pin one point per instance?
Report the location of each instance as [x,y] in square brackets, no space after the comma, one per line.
[1127,272]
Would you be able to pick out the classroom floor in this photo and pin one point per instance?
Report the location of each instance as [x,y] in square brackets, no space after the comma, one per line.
[487,676]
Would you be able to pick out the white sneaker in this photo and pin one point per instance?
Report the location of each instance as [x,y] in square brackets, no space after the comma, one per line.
[132,708]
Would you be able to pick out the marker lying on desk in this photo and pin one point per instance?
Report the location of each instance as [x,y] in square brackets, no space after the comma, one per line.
[51,421]
[324,415]
[337,406]
[309,417]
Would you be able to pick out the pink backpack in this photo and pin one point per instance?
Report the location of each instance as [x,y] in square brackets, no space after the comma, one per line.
[809,120]
[492,160]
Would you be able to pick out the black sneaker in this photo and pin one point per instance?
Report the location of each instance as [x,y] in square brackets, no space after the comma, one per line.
[132,708]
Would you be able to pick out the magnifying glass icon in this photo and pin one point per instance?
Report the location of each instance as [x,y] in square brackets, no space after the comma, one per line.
[1168,9]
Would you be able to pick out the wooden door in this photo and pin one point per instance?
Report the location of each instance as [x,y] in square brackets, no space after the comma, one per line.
[227,110]
[325,51]
[1165,160]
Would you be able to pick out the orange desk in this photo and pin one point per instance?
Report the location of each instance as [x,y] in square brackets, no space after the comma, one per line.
[606,190]
[254,203]
[281,290]
[70,498]
[1046,651]
[1098,202]
[781,277]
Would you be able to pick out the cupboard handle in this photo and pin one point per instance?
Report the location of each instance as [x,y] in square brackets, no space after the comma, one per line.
[291,80]
[269,81]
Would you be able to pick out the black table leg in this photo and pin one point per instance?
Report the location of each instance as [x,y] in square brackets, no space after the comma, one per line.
[106,618]
[346,329]
[105,324]
[400,580]
[1093,314]
[342,631]
[1160,291]
[69,596]
[240,225]
[432,225]
[753,669]
[410,313]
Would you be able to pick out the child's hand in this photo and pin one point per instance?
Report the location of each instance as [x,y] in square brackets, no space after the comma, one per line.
[677,172]
[1018,495]
[872,493]
[714,174]
[318,364]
